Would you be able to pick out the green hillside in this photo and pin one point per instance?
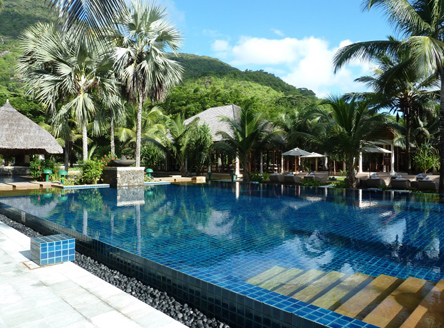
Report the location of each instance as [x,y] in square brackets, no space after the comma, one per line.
[208,82]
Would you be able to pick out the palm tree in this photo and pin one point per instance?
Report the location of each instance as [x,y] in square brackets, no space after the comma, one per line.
[145,69]
[249,132]
[398,87]
[153,127]
[64,70]
[177,140]
[87,14]
[421,22]
[350,125]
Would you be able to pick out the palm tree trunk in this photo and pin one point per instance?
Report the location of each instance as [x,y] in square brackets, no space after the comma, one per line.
[139,129]
[351,172]
[66,159]
[407,142]
[85,141]
[441,133]
[113,145]
[246,171]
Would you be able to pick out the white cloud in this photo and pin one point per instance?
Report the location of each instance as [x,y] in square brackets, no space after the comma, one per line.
[304,62]
[278,32]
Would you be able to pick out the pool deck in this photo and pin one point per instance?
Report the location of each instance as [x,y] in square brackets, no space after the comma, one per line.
[63,295]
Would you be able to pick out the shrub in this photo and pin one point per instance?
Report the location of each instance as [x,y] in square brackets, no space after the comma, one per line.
[91,171]
[37,166]
[311,182]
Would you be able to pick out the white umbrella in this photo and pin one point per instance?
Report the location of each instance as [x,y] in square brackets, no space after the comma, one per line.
[313,155]
[374,149]
[296,152]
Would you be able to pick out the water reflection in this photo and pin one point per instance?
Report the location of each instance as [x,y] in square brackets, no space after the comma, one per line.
[238,228]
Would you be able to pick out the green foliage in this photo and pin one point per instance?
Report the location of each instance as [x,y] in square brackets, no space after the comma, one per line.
[91,171]
[199,148]
[37,166]
[311,182]
[152,156]
[426,158]
[259,177]
[340,184]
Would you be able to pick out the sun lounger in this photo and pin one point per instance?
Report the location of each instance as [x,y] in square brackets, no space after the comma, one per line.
[427,185]
[400,184]
[276,178]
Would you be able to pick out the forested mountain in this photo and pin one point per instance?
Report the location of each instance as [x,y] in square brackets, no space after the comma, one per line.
[207,82]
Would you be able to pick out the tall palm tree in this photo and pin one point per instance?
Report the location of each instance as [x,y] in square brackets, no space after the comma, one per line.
[147,73]
[350,125]
[86,14]
[249,132]
[421,23]
[398,87]
[153,127]
[64,70]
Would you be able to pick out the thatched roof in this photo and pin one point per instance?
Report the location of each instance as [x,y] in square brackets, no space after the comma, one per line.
[211,116]
[20,135]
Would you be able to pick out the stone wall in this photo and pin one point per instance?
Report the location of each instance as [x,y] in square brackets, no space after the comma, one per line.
[118,177]
[14,170]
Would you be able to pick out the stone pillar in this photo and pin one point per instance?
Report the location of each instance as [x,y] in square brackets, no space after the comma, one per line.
[118,177]
[282,164]
[360,162]
[237,167]
[261,170]
[392,158]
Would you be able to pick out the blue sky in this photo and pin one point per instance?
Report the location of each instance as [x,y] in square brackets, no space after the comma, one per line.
[293,39]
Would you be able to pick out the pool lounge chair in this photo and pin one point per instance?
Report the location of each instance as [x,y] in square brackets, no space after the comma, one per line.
[276,178]
[427,185]
[322,177]
[400,184]
[294,178]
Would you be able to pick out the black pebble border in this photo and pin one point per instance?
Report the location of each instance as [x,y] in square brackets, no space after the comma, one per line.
[153,297]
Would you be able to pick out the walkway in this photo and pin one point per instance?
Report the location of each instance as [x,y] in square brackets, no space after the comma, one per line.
[63,295]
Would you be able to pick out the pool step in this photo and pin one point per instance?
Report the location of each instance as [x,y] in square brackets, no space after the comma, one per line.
[320,286]
[430,312]
[301,281]
[383,301]
[281,278]
[336,296]
[360,304]
[267,274]
[398,306]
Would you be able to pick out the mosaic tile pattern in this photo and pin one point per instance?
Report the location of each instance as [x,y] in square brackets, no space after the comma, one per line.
[202,241]
[52,249]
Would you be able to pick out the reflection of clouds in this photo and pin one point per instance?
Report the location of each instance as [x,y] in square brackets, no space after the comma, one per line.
[432,250]
[218,224]
[309,250]
[26,205]
[387,227]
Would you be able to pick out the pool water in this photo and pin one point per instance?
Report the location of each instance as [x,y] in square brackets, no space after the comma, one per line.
[228,233]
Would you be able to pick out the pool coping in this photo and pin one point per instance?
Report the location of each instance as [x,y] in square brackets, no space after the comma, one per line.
[254,308]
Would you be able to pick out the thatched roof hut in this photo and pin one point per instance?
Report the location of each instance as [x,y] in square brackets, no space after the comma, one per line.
[212,116]
[21,136]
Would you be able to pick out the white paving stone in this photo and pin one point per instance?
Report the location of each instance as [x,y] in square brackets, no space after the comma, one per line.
[63,295]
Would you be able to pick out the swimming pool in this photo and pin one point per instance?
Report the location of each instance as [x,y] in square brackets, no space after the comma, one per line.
[240,236]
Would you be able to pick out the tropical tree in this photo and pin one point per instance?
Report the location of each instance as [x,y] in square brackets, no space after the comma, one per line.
[177,140]
[68,74]
[350,125]
[153,127]
[200,146]
[143,35]
[86,14]
[421,23]
[249,132]
[397,86]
